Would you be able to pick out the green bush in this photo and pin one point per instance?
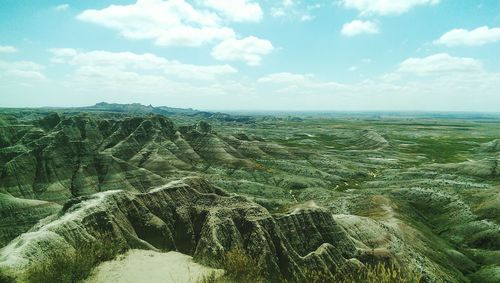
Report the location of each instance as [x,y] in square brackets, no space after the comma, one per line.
[240,267]
[6,279]
[72,267]
[379,273]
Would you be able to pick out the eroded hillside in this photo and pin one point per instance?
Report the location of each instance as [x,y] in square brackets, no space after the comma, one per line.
[302,196]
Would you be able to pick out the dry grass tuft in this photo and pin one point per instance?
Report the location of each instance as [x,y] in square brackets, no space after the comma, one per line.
[380,273]
[64,267]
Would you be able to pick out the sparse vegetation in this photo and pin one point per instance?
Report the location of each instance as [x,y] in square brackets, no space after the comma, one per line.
[379,273]
[67,267]
[6,279]
[240,267]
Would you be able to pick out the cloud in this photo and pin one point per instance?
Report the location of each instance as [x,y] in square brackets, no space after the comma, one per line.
[395,91]
[477,37]
[283,8]
[309,84]
[125,76]
[61,54]
[61,8]
[249,49]
[300,84]
[167,23]
[22,69]
[7,49]
[306,18]
[285,77]
[237,10]
[358,27]
[294,9]
[440,63]
[126,63]
[385,7]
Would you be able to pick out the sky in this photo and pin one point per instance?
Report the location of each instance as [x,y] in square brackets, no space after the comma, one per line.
[340,55]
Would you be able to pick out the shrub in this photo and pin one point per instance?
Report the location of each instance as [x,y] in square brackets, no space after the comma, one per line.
[65,266]
[379,273]
[5,279]
[238,267]
[241,267]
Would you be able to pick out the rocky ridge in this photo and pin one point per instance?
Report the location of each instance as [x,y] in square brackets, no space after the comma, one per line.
[191,217]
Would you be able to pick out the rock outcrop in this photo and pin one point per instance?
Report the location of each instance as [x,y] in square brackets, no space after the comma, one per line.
[57,158]
[191,217]
[492,146]
[19,215]
[368,139]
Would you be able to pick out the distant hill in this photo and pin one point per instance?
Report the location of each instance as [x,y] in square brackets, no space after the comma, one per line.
[139,108]
[131,108]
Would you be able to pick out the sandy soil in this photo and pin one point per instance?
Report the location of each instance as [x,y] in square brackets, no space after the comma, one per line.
[150,266]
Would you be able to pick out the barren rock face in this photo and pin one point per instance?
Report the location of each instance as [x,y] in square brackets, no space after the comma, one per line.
[19,215]
[57,158]
[191,217]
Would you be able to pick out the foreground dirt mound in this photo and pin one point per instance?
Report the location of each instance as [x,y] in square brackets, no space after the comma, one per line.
[191,217]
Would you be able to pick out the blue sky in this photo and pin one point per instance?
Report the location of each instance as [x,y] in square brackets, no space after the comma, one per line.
[428,55]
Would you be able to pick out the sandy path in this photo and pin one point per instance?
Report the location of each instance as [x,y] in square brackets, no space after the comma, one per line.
[150,266]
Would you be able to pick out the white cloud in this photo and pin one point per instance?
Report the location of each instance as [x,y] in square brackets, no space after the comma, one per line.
[300,84]
[7,49]
[394,91]
[61,54]
[357,27]
[125,76]
[237,10]
[61,8]
[277,12]
[127,62]
[440,63]
[34,75]
[479,36]
[385,7]
[22,69]
[306,18]
[294,9]
[249,49]
[390,77]
[285,77]
[167,23]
